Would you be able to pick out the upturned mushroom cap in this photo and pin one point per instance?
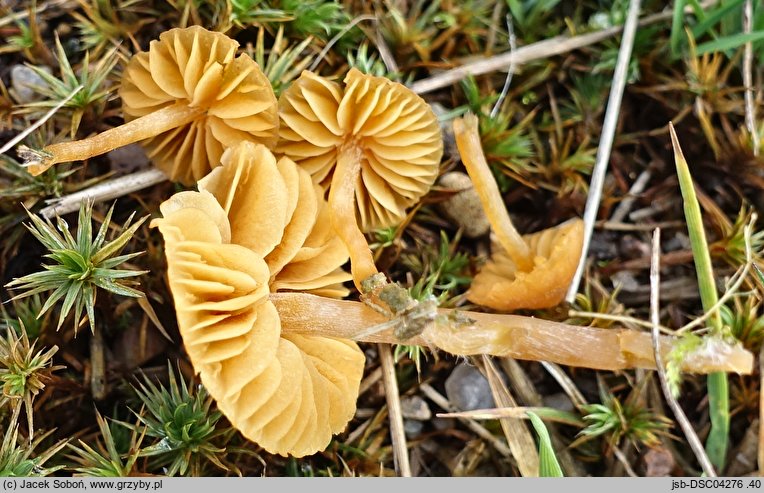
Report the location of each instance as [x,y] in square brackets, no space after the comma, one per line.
[199,68]
[257,226]
[556,251]
[395,130]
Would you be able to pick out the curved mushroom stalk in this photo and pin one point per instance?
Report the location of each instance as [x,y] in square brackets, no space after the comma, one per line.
[532,271]
[466,333]
[375,141]
[187,99]
[256,226]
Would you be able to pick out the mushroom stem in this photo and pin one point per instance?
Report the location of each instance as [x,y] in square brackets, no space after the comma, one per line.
[471,151]
[467,333]
[342,205]
[141,128]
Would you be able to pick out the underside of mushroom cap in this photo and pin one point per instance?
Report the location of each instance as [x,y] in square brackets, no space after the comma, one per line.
[199,68]
[396,131]
[502,286]
[288,393]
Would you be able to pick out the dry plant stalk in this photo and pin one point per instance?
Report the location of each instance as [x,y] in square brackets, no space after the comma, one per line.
[467,333]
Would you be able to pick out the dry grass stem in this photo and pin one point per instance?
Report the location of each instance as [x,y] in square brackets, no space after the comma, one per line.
[606,140]
[684,423]
[750,108]
[395,416]
[530,53]
[107,190]
[518,436]
[8,145]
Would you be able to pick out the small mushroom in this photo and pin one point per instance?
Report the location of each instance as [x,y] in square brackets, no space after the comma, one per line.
[373,140]
[187,99]
[532,271]
[256,226]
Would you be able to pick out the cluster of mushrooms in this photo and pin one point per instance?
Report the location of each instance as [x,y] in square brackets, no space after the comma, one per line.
[286,190]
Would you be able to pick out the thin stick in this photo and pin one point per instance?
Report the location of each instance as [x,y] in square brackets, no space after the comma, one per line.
[475,427]
[606,141]
[39,122]
[511,71]
[750,108]
[636,188]
[392,395]
[103,191]
[530,53]
[684,423]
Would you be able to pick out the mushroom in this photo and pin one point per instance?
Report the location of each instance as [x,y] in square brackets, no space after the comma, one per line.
[256,226]
[377,143]
[188,98]
[532,271]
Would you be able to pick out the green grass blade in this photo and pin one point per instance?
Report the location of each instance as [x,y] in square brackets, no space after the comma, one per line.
[718,408]
[718,392]
[729,42]
[677,29]
[548,465]
[714,17]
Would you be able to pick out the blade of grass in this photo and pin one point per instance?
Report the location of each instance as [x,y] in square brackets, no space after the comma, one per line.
[681,418]
[718,391]
[729,42]
[677,31]
[548,465]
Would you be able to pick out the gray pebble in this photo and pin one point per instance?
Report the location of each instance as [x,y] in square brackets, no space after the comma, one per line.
[128,158]
[23,83]
[468,389]
[414,407]
[412,428]
[446,127]
[560,401]
[464,207]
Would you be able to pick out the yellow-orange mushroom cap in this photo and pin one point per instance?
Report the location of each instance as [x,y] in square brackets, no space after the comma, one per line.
[376,142]
[187,99]
[254,227]
[530,271]
[501,285]
[199,68]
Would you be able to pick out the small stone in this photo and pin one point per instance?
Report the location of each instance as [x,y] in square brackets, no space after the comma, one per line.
[447,129]
[467,389]
[464,207]
[412,428]
[24,82]
[127,159]
[560,401]
[627,281]
[416,408]
[658,462]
